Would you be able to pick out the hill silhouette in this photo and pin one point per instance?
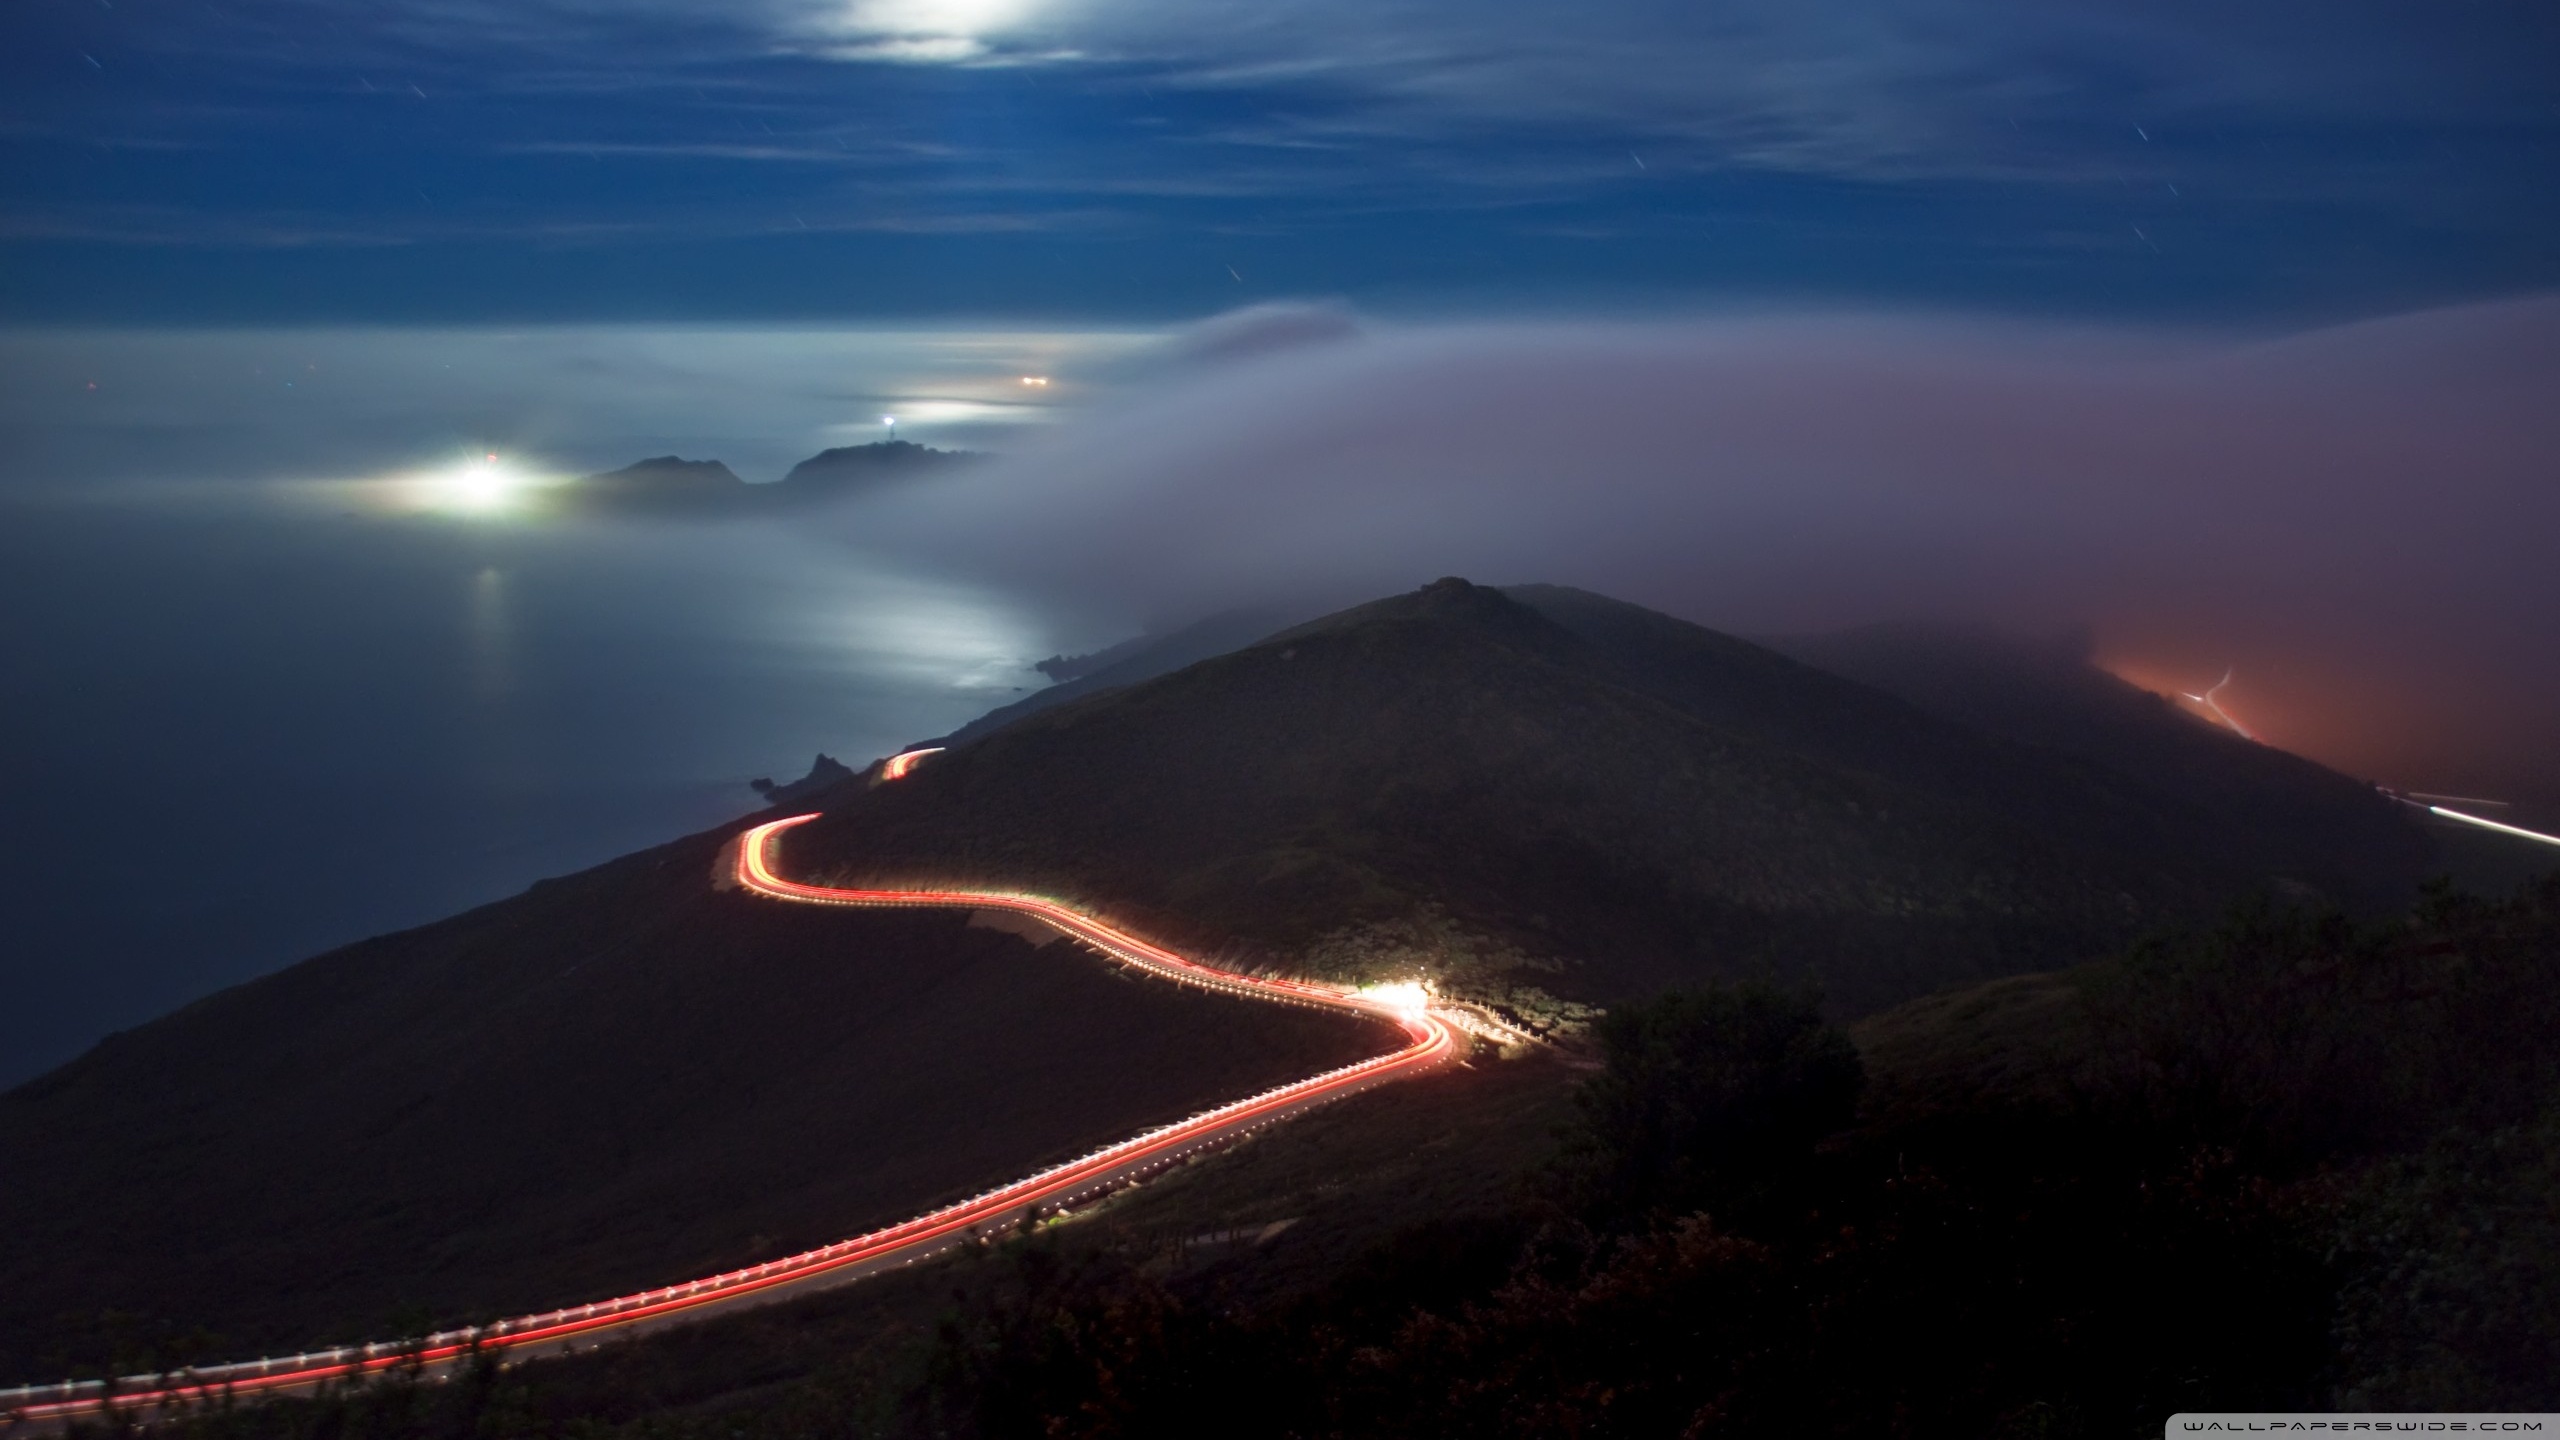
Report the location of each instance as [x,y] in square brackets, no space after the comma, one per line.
[1454,780]
[848,469]
[626,1076]
[615,1080]
[2298,823]
[666,482]
[2270,809]
[671,486]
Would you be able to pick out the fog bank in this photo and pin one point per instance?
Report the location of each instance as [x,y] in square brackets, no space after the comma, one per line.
[2358,520]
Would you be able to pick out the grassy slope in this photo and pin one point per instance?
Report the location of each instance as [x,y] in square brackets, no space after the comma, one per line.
[2267,809]
[1642,813]
[617,1079]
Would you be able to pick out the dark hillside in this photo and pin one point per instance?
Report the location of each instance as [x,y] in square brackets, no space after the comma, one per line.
[1452,775]
[617,1079]
[2270,810]
[855,469]
[666,482]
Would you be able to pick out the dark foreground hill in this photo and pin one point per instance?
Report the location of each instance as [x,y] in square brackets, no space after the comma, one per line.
[615,1080]
[2294,1163]
[1452,780]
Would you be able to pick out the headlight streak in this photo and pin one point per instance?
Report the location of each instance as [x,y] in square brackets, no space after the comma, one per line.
[2455,799]
[2208,702]
[2500,827]
[2417,800]
[1429,1043]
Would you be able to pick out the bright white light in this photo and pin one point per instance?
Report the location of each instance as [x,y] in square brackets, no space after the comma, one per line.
[1405,997]
[2503,829]
[486,487]
[483,487]
[927,30]
[939,17]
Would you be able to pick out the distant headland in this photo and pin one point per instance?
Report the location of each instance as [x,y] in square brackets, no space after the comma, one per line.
[673,485]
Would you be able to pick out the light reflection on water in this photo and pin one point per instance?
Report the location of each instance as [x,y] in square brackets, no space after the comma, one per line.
[298,715]
[303,729]
[488,629]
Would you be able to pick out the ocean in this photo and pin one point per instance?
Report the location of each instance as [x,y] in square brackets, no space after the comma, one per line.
[260,694]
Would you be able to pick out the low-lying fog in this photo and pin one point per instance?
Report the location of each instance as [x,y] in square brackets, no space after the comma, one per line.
[252,661]
[2359,522]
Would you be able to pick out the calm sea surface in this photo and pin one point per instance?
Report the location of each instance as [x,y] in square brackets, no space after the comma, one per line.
[246,718]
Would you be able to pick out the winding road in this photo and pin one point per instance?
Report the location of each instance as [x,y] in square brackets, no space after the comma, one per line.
[1430,1042]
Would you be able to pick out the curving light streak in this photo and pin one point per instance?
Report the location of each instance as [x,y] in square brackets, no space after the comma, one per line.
[2207,701]
[1429,1043]
[897,766]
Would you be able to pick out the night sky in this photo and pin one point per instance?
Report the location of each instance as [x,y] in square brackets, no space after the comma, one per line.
[178,161]
[2226,333]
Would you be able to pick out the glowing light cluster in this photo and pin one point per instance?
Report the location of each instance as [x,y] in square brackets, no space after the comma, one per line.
[1404,997]
[486,486]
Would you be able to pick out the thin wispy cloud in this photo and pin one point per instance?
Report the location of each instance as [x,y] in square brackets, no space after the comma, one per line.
[2358,157]
[2353,516]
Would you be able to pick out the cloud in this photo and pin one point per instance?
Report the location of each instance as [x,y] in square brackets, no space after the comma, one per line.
[1259,330]
[1892,90]
[2355,518]
[2365,153]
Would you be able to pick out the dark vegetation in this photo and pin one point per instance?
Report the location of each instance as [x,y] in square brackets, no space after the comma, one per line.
[2293,1162]
[616,1080]
[1454,781]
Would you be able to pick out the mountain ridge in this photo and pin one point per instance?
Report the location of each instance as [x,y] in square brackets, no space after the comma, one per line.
[671,485]
[1246,802]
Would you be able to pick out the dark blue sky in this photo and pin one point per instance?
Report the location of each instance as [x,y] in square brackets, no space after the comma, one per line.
[179,161]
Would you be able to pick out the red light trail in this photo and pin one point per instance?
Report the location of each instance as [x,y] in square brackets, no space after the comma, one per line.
[897,766]
[1429,1042]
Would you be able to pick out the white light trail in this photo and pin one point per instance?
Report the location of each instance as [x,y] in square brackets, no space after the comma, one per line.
[2208,702]
[2516,830]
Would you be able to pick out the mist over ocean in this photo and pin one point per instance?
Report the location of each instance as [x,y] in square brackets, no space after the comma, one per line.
[280,669]
[255,704]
